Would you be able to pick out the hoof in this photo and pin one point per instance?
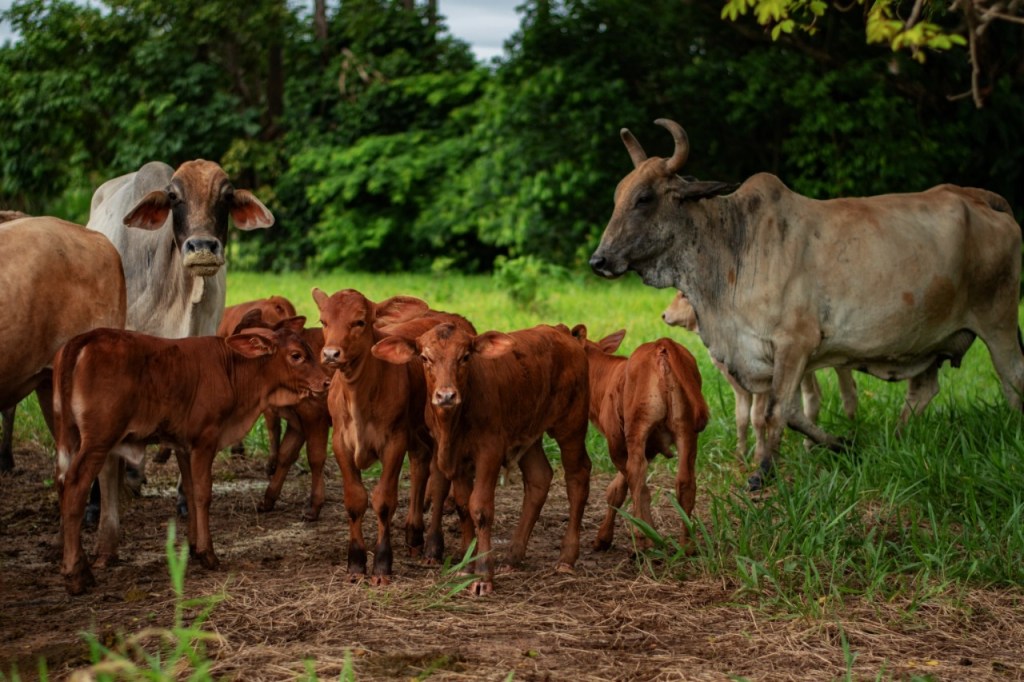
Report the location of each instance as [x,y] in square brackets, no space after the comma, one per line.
[311,515]
[79,580]
[481,588]
[563,567]
[354,577]
[209,560]
[601,545]
[380,580]
[92,516]
[104,560]
[755,484]
[429,561]
[264,506]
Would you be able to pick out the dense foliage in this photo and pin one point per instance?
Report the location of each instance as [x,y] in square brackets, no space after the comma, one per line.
[381,145]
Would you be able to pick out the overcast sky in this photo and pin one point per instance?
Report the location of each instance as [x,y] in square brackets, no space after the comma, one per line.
[484,24]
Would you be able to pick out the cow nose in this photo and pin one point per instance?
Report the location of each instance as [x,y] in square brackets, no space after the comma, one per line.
[330,356]
[598,264]
[445,397]
[201,245]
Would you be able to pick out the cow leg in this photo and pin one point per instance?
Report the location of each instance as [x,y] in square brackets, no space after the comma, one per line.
[536,482]
[356,501]
[185,469]
[810,394]
[920,391]
[1005,347]
[284,458]
[419,472]
[744,402]
[316,454]
[617,489]
[636,477]
[848,391]
[788,373]
[615,496]
[80,473]
[385,499]
[576,467]
[7,444]
[202,494]
[686,480]
[481,510]
[437,490]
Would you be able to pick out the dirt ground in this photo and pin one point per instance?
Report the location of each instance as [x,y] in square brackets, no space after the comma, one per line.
[291,608]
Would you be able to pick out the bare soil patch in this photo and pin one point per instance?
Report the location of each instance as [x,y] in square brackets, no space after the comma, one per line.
[289,600]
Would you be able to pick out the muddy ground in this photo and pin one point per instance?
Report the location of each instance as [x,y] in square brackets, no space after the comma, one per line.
[290,608]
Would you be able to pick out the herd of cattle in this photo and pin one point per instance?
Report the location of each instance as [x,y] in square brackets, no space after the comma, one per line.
[120,328]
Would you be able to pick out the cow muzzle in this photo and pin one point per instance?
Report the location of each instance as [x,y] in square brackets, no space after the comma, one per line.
[331,357]
[604,267]
[203,256]
[446,398]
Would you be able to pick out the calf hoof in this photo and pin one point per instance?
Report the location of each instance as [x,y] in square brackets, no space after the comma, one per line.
[481,588]
[380,580]
[104,560]
[311,515]
[602,545]
[80,579]
[265,505]
[562,567]
[355,576]
[429,561]
[92,516]
[182,505]
[208,560]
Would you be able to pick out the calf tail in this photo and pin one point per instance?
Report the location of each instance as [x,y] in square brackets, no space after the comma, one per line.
[681,382]
[65,428]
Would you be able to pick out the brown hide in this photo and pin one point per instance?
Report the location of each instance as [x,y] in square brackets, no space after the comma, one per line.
[272,310]
[644,404]
[377,411]
[117,391]
[491,399]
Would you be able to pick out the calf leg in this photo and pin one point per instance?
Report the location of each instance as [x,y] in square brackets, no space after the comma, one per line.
[316,454]
[419,472]
[273,423]
[636,477]
[109,533]
[81,472]
[536,483]
[202,494]
[185,469]
[481,510]
[356,501]
[686,480]
[285,457]
[437,490]
[576,465]
[615,495]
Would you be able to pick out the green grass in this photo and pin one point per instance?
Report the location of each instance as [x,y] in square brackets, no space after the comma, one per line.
[924,514]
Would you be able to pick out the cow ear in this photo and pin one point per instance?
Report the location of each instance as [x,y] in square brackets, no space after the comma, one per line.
[611,343]
[394,349]
[253,318]
[150,213]
[249,212]
[491,345]
[320,297]
[296,323]
[398,309]
[580,332]
[254,343]
[704,189]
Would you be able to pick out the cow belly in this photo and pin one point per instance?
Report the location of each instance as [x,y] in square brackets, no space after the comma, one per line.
[905,366]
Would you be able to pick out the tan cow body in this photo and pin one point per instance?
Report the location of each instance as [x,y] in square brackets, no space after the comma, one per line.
[58,280]
[782,284]
[491,399]
[118,391]
[750,407]
[643,405]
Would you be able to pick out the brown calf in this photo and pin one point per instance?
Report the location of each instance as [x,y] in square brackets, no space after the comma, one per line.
[491,399]
[643,405]
[377,412]
[117,391]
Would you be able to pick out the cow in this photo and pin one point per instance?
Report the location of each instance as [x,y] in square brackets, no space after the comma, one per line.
[377,410]
[117,391]
[749,407]
[893,285]
[58,280]
[491,399]
[171,228]
[643,405]
[272,309]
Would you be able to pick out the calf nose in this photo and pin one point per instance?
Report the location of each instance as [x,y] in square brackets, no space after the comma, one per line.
[664,317]
[330,356]
[445,397]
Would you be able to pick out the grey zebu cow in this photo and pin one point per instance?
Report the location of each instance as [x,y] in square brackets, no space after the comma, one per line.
[58,280]
[892,285]
[171,228]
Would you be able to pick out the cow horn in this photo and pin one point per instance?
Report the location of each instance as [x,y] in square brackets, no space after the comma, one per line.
[682,144]
[636,152]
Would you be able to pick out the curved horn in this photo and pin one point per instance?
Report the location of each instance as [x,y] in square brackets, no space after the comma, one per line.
[682,144]
[636,152]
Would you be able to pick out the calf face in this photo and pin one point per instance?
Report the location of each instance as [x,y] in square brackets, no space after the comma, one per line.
[348,318]
[200,197]
[295,372]
[680,313]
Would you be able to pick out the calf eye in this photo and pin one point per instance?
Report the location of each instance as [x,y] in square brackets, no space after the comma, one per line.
[465,358]
[296,356]
[359,323]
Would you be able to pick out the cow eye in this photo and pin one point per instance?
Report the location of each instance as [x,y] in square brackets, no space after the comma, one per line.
[359,323]
[643,199]
[172,196]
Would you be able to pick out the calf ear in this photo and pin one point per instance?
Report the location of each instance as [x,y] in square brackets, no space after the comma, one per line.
[492,345]
[150,213]
[320,298]
[611,343]
[399,308]
[296,323]
[394,349]
[580,332]
[253,318]
[249,212]
[253,344]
